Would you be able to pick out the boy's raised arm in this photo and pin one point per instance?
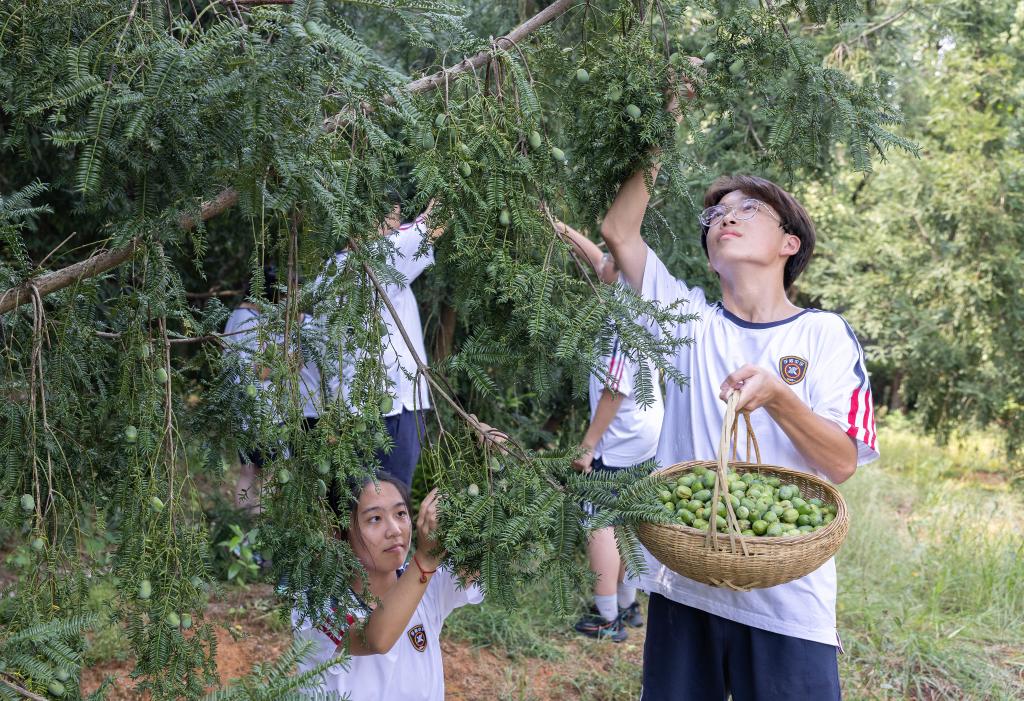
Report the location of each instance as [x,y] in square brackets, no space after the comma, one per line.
[621,227]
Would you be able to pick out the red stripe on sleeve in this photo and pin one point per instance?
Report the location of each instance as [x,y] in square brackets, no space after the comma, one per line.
[852,418]
[336,639]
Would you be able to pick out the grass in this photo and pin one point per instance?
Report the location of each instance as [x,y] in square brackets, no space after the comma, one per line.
[931,600]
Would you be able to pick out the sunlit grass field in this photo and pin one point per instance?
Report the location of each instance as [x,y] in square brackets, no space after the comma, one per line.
[931,601]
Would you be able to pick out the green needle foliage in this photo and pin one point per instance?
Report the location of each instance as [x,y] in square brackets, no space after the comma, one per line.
[122,405]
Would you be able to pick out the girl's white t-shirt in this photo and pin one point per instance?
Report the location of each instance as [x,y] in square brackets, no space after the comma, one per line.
[411,671]
[819,358]
[632,436]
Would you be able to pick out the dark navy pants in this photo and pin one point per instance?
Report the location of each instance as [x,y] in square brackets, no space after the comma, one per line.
[690,655]
[405,430]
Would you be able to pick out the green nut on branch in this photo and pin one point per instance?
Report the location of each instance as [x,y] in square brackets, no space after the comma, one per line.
[131,434]
[535,139]
[582,76]
[28,502]
[558,154]
[504,218]
[633,111]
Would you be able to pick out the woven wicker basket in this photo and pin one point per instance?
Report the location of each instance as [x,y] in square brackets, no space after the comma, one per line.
[740,562]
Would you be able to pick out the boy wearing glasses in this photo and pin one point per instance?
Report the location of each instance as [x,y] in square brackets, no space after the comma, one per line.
[802,378]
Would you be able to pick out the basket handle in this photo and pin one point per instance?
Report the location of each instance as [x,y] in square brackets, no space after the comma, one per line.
[730,431]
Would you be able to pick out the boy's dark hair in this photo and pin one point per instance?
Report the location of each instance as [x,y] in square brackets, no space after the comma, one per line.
[795,219]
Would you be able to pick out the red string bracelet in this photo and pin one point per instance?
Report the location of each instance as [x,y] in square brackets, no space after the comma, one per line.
[423,572]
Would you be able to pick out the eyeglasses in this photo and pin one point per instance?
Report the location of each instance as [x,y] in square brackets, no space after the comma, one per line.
[744,211]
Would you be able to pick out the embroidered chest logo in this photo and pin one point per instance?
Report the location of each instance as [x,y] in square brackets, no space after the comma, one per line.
[792,368]
[418,637]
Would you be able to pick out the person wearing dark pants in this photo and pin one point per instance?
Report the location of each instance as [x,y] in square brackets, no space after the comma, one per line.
[410,253]
[719,657]
[801,379]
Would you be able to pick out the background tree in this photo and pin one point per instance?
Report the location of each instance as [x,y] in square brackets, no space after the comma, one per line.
[924,255]
[156,155]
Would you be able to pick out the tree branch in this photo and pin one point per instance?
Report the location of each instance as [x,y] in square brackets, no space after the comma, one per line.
[103,261]
[107,260]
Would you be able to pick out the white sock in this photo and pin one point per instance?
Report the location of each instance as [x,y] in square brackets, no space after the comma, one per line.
[627,595]
[606,606]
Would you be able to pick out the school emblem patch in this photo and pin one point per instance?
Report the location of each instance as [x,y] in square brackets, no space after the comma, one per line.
[418,637]
[792,368]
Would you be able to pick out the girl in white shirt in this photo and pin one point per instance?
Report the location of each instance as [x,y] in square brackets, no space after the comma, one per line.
[393,631]
[621,434]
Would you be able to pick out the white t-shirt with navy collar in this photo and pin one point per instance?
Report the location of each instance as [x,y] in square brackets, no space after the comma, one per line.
[818,356]
[412,670]
[408,391]
[632,436]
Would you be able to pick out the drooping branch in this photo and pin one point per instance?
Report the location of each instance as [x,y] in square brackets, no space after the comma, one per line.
[227,198]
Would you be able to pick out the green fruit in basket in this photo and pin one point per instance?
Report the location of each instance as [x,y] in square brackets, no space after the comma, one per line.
[748,502]
[790,515]
[701,513]
[694,504]
[700,524]
[778,509]
[685,516]
[827,519]
[665,495]
[804,520]
[743,523]
[774,530]
[832,509]
[798,502]
[754,493]
[683,492]
[747,532]
[747,477]
[770,517]
[806,529]
[669,507]
[815,501]
[734,500]
[789,527]
[700,470]
[708,480]
[773,481]
[720,523]
[742,512]
[687,480]
[759,527]
[720,508]
[703,495]
[816,519]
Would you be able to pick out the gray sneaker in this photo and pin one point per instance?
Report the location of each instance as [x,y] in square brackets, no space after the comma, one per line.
[631,615]
[594,625]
